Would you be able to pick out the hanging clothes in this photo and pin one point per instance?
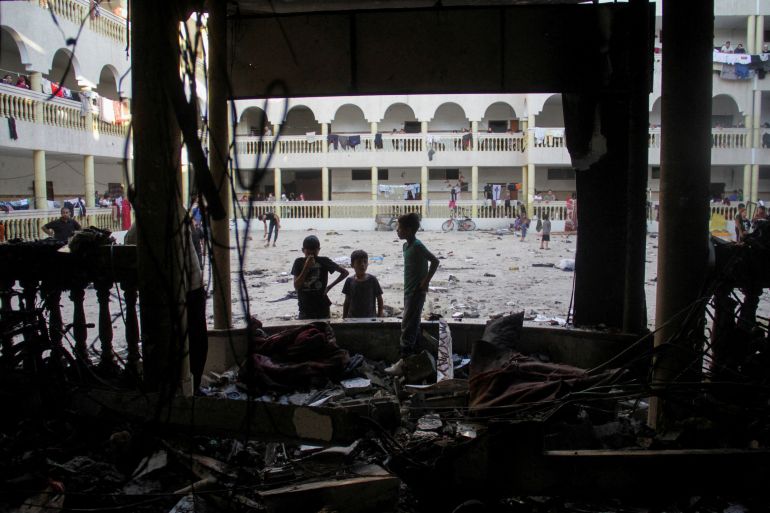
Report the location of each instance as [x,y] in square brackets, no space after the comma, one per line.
[496,192]
[46,86]
[378,141]
[333,139]
[106,110]
[344,142]
[354,141]
[12,129]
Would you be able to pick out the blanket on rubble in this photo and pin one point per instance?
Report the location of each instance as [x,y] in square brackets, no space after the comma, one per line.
[296,358]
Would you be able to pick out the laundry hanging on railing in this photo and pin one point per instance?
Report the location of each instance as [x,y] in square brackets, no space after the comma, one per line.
[106,110]
[334,140]
[731,58]
[378,141]
[310,137]
[354,141]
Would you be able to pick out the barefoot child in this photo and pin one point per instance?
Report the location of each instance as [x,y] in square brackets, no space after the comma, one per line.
[363,294]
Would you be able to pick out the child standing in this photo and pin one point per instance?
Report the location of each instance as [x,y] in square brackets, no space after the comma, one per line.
[419,267]
[363,294]
[524,225]
[311,273]
[546,237]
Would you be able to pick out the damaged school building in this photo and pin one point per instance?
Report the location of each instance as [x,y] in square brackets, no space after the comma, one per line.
[302,417]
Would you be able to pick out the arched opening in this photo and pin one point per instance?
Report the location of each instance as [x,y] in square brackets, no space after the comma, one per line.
[552,115]
[396,116]
[65,69]
[299,121]
[11,64]
[108,86]
[349,119]
[655,113]
[499,117]
[253,122]
[449,117]
[725,112]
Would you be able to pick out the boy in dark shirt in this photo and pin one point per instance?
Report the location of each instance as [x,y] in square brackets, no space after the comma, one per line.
[62,228]
[311,273]
[363,294]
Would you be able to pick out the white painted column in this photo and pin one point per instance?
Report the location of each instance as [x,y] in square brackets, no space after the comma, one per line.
[530,129]
[474,190]
[38,165]
[88,180]
[755,182]
[475,134]
[756,137]
[325,189]
[760,34]
[751,34]
[36,84]
[746,182]
[748,122]
[375,184]
[277,183]
[530,186]
[324,137]
[524,186]
[424,190]
[424,132]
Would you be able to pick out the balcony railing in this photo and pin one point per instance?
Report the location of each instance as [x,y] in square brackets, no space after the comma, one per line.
[103,22]
[22,104]
[27,224]
[721,138]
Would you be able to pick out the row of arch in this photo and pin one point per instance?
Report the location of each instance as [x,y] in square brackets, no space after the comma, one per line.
[64,68]
[301,119]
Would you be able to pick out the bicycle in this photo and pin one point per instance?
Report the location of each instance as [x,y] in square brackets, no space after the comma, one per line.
[462,222]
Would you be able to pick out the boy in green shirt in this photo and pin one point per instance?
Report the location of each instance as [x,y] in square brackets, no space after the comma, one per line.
[419,267]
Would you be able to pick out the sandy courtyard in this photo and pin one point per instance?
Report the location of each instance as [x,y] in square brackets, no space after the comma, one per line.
[481,273]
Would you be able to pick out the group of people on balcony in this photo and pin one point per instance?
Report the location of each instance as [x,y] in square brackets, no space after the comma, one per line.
[737,64]
[20,81]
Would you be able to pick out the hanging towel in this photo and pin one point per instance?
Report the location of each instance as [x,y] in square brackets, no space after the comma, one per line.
[46,84]
[333,139]
[539,135]
[354,140]
[344,142]
[12,129]
[106,110]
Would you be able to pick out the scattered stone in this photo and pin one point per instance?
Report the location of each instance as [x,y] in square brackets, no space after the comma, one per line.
[490,275]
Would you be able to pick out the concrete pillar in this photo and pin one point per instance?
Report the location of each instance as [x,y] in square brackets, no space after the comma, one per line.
[424,189]
[88,180]
[373,126]
[325,189]
[751,34]
[530,131]
[185,182]
[324,137]
[683,242]
[748,122]
[760,33]
[475,134]
[530,186]
[754,183]
[36,84]
[474,190]
[756,136]
[424,132]
[746,182]
[218,156]
[375,184]
[277,183]
[38,165]
[524,186]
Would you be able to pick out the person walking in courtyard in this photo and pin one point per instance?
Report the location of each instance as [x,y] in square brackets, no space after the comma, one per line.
[62,228]
[311,274]
[363,294]
[419,267]
[524,225]
[275,224]
[545,237]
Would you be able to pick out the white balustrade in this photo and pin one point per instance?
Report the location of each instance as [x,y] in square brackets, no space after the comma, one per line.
[27,224]
[14,104]
[56,112]
[103,22]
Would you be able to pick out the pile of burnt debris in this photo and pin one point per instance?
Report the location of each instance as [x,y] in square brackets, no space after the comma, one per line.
[306,426]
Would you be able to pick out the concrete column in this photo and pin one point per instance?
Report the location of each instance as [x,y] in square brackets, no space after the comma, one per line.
[475,134]
[38,165]
[89,117]
[683,242]
[424,189]
[530,186]
[754,182]
[375,183]
[325,188]
[424,132]
[746,182]
[373,126]
[218,156]
[760,33]
[748,122]
[474,189]
[756,136]
[524,186]
[277,183]
[530,131]
[751,34]
[185,179]
[88,180]
[324,137]
[36,84]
